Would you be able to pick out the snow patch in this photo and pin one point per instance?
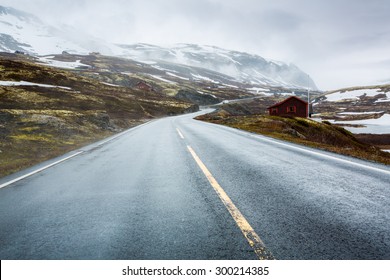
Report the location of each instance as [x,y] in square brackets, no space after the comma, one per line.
[162,79]
[375,126]
[360,113]
[48,61]
[204,93]
[199,77]
[35,36]
[108,84]
[353,94]
[176,76]
[384,120]
[163,69]
[257,89]
[149,62]
[24,83]
[382,100]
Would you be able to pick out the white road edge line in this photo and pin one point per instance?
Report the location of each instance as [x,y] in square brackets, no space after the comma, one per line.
[39,170]
[251,236]
[180,134]
[71,156]
[265,139]
[321,154]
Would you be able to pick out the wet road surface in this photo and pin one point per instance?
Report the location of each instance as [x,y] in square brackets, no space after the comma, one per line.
[142,195]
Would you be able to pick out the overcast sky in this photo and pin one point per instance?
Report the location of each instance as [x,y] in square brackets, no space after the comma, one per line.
[338,42]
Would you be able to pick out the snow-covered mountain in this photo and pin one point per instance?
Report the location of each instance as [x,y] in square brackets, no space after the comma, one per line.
[244,67]
[20,31]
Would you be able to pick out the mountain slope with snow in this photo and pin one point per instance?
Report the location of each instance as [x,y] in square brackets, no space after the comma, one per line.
[244,67]
[25,32]
[20,31]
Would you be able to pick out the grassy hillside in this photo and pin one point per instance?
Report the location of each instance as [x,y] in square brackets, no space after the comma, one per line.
[37,123]
[301,131]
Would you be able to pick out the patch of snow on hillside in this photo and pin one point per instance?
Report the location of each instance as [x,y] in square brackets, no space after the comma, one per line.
[23,83]
[354,94]
[108,84]
[48,61]
[37,35]
[204,93]
[359,113]
[199,77]
[162,79]
[163,69]
[385,99]
[229,58]
[375,126]
[384,120]
[228,86]
[258,89]
[286,93]
[149,62]
[176,76]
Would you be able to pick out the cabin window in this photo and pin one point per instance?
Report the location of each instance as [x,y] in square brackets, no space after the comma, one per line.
[274,110]
[291,109]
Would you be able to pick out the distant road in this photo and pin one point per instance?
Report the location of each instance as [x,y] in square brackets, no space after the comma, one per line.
[170,189]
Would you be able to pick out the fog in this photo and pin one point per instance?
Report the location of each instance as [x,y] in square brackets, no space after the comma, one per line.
[339,43]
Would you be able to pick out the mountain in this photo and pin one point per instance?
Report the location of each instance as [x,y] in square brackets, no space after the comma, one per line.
[24,32]
[244,67]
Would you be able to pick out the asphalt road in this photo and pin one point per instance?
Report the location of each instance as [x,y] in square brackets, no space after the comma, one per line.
[143,195]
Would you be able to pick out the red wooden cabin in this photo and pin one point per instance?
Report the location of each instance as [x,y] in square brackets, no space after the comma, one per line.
[292,106]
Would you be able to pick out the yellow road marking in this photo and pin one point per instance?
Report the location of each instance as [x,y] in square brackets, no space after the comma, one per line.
[180,134]
[251,236]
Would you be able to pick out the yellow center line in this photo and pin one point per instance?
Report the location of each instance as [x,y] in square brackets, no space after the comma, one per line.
[180,134]
[251,236]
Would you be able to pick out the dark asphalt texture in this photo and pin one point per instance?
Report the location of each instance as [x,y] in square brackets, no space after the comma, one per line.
[142,196]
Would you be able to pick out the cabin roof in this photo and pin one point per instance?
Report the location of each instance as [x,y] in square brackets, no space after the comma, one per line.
[288,99]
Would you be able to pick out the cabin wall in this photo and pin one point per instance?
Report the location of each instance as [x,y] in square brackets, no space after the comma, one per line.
[300,109]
